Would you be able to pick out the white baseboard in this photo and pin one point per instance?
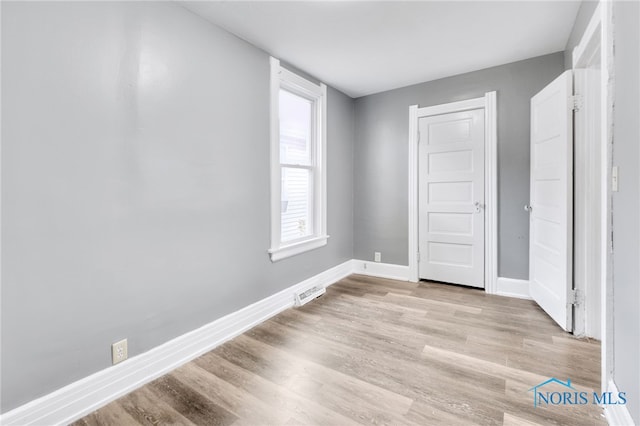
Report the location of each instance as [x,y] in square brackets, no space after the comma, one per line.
[381,270]
[513,288]
[617,415]
[86,395]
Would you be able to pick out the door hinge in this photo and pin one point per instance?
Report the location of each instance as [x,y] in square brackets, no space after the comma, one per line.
[575,297]
[576,102]
[418,256]
[611,251]
[418,137]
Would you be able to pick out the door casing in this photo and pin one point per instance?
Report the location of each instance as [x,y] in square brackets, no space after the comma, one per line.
[587,56]
[599,32]
[488,103]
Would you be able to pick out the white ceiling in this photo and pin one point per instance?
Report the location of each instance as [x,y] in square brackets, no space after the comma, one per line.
[365,47]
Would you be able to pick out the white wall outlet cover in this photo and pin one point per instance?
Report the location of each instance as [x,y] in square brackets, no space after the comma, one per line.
[119,351]
[377,256]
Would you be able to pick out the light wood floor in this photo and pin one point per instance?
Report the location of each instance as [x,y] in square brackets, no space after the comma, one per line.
[377,351]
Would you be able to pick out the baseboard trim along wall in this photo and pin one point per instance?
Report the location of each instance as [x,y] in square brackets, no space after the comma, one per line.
[513,288]
[617,415]
[381,270]
[86,395]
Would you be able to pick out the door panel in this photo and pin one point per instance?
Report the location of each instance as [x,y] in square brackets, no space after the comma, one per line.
[451,254]
[450,131]
[455,161]
[451,197]
[450,192]
[450,223]
[550,242]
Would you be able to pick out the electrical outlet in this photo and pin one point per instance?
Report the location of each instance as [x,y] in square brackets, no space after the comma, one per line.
[377,256]
[119,351]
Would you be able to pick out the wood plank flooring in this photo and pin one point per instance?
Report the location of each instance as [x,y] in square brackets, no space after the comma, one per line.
[377,351]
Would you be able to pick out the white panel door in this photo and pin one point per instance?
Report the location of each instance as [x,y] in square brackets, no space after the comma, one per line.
[550,228]
[451,197]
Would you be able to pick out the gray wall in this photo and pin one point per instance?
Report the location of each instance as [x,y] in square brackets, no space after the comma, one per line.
[135,184]
[585,12]
[381,152]
[626,204]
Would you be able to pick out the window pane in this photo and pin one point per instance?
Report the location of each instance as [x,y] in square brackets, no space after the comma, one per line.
[295,128]
[296,204]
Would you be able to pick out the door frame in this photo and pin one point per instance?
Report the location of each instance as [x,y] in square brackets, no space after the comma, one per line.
[489,103]
[582,56]
[601,27]
[604,14]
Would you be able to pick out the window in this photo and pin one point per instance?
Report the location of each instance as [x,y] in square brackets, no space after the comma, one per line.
[298,179]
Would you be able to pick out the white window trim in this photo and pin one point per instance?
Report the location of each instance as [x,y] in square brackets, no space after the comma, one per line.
[285,79]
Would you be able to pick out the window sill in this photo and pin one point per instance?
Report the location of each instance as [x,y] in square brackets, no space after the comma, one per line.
[297,248]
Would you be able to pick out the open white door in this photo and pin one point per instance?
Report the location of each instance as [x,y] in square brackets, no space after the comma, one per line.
[551,224]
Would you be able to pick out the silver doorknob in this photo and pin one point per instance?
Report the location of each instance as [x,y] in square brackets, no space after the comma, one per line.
[478,206]
[528,208]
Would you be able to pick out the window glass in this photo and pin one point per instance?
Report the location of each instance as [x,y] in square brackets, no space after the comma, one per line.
[296,204]
[295,128]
